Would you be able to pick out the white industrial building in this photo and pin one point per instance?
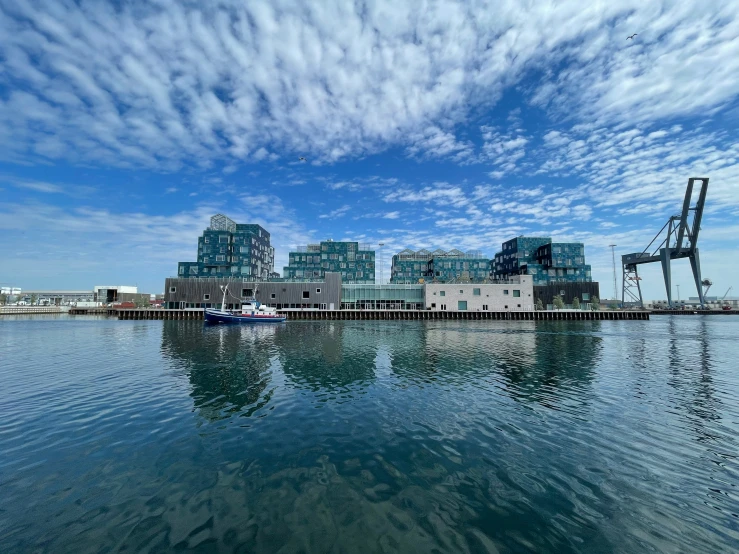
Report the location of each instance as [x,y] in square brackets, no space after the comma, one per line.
[516,294]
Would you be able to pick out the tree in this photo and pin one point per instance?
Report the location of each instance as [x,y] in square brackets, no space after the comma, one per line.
[539,305]
[34,298]
[576,303]
[595,303]
[3,299]
[141,301]
[558,303]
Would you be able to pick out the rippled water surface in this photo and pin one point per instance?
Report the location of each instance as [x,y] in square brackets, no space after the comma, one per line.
[369,436]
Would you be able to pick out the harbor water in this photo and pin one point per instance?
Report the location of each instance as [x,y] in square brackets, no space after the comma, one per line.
[368,436]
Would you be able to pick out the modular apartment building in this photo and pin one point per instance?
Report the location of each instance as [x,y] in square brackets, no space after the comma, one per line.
[545,261]
[515,294]
[230,249]
[439,265]
[354,262]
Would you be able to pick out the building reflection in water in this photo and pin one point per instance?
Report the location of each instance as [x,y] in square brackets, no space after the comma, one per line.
[228,366]
[231,367]
[329,356]
[529,361]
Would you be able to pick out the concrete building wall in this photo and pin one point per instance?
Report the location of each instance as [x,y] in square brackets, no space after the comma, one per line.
[516,295]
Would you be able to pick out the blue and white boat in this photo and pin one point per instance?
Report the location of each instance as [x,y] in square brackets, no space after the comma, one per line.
[251,312]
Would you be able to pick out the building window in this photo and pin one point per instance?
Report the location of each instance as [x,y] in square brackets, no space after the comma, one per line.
[506,307]
[505,291]
[220,258]
[442,293]
[306,294]
[206,297]
[272,295]
[433,304]
[247,293]
[475,292]
[462,305]
[172,289]
[461,291]
[484,307]
[223,239]
[206,240]
[585,296]
[516,293]
[318,291]
[519,305]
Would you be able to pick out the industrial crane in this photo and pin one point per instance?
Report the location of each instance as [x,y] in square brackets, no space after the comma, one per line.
[726,306]
[677,239]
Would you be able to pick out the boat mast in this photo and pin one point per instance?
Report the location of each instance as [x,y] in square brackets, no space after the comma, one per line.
[224,288]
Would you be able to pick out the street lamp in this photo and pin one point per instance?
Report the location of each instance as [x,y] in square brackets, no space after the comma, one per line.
[381,272]
[678,292]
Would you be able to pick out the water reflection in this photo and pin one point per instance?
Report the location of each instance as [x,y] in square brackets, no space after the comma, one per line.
[329,356]
[691,358]
[228,366]
[231,367]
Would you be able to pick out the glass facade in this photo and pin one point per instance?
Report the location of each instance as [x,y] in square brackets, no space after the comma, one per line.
[230,249]
[439,265]
[545,261]
[355,262]
[385,297]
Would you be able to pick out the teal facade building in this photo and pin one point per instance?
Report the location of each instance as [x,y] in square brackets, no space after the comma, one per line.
[354,262]
[545,261]
[441,266]
[230,249]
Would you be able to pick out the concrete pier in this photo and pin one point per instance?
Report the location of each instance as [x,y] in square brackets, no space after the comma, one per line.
[403,315]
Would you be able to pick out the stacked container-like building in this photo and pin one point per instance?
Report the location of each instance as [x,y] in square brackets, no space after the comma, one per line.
[545,261]
[230,249]
[441,266]
[354,262]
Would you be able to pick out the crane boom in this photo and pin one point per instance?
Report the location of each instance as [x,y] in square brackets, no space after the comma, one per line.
[726,294]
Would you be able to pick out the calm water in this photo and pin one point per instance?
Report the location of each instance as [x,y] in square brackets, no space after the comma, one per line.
[125,436]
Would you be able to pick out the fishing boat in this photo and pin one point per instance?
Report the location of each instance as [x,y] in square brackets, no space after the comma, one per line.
[252,311]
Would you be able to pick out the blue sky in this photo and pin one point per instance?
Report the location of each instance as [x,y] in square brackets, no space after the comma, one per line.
[125,126]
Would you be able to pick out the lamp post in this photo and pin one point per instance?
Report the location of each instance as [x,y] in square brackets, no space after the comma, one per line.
[381,272]
[678,292]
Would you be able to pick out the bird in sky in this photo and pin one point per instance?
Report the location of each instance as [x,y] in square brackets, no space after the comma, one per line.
[632,36]
[301,159]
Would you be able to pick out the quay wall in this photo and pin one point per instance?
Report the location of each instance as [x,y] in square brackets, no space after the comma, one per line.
[22,310]
[404,315]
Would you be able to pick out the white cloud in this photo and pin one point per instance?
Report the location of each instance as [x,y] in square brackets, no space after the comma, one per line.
[435,143]
[87,243]
[170,83]
[338,212]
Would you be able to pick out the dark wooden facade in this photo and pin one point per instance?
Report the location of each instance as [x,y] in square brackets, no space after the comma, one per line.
[568,291]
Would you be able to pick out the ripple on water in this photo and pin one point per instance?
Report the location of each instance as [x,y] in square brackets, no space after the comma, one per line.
[368,436]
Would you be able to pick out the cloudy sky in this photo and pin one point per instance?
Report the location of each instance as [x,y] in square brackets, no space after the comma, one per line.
[125,125]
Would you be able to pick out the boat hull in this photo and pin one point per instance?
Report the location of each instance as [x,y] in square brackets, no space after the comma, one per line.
[217,316]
